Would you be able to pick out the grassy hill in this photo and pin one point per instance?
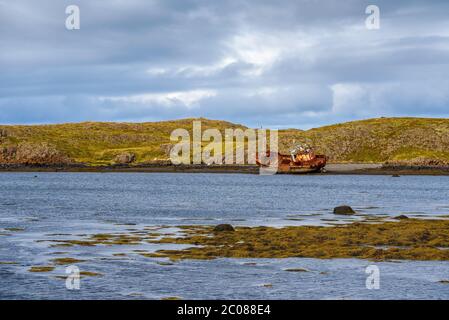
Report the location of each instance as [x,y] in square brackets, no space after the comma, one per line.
[409,140]
[95,143]
[412,140]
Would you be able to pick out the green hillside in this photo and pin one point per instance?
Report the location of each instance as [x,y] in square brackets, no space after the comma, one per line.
[411,140]
[95,143]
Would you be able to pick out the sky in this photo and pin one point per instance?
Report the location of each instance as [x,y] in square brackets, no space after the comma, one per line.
[261,63]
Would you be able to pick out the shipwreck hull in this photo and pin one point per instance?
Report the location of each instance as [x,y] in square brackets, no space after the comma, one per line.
[286,165]
[298,171]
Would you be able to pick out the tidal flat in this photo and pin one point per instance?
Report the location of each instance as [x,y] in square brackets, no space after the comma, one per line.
[407,239]
[404,239]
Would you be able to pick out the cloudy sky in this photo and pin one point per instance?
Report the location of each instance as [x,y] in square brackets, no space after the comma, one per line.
[271,63]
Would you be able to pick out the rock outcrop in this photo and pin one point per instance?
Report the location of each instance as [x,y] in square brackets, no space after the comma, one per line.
[125,158]
[166,148]
[418,162]
[33,154]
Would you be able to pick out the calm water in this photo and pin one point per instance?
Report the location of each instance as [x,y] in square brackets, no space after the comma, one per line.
[51,206]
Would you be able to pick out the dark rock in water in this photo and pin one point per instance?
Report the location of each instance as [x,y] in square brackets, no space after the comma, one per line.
[395,176]
[297,270]
[401,217]
[223,227]
[344,210]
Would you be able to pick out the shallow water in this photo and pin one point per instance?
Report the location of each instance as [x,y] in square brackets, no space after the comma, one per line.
[51,206]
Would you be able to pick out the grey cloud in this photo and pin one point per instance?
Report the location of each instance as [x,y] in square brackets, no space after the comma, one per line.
[272,63]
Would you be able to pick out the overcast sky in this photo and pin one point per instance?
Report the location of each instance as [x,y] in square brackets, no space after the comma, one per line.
[290,63]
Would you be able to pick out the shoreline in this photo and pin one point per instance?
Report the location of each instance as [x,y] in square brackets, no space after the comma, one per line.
[330,169]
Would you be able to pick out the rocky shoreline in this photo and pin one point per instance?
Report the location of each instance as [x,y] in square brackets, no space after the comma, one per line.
[333,168]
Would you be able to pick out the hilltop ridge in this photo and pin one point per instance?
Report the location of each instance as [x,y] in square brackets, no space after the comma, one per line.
[422,141]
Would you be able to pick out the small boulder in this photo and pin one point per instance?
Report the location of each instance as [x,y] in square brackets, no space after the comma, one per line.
[344,210]
[223,227]
[125,158]
[166,148]
[401,217]
[296,270]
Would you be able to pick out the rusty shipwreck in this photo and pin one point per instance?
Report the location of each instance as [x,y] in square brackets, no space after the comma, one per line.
[302,159]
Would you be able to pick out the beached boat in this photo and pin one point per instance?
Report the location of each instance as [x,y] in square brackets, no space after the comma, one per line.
[302,159]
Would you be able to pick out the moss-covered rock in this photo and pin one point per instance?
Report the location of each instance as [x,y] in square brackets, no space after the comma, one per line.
[224,227]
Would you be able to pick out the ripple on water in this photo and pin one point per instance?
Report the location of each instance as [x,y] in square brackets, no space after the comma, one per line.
[81,205]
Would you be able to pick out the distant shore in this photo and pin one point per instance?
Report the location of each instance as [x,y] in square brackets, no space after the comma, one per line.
[330,169]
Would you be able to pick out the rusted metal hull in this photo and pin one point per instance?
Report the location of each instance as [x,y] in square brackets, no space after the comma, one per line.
[299,169]
[285,163]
